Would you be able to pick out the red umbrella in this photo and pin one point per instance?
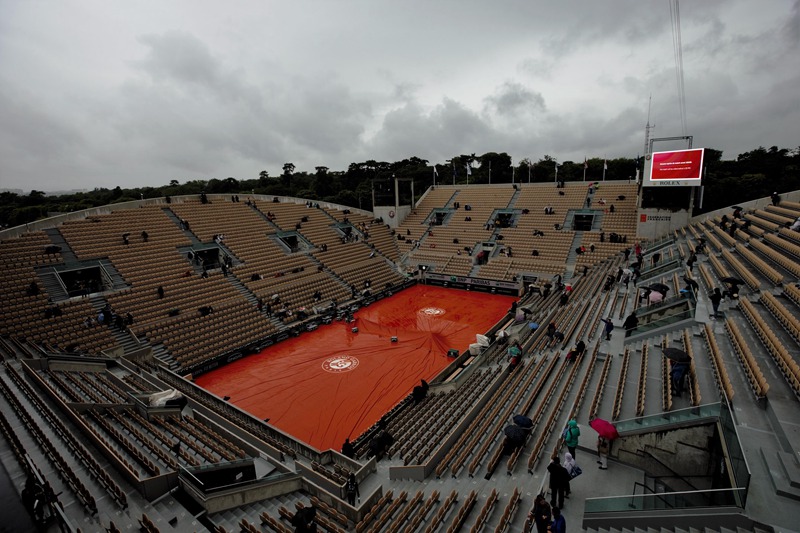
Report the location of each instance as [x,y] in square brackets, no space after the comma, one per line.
[604,428]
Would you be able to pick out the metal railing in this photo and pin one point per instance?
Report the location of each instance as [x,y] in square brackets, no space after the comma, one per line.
[664,500]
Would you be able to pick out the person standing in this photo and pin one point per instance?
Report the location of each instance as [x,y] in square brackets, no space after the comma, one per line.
[559,481]
[603,447]
[570,465]
[541,514]
[351,488]
[571,435]
[716,298]
[347,449]
[609,327]
[514,353]
[559,524]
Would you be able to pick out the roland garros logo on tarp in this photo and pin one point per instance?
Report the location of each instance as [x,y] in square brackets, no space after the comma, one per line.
[432,311]
[339,364]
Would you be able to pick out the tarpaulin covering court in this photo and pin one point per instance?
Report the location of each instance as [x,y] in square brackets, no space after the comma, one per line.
[331,383]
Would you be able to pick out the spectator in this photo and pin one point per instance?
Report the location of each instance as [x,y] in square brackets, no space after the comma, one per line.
[347,449]
[541,514]
[716,298]
[608,328]
[559,524]
[571,434]
[603,447]
[559,481]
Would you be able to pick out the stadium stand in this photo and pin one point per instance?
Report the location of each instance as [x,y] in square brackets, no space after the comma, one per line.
[222,279]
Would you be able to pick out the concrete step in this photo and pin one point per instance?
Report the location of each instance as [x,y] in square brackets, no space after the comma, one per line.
[783,472]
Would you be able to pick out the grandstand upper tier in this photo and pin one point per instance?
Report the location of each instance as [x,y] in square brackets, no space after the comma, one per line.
[189,284]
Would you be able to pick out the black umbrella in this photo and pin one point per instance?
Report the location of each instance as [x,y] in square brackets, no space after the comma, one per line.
[547,285]
[523,421]
[660,287]
[690,282]
[677,355]
[515,433]
[732,281]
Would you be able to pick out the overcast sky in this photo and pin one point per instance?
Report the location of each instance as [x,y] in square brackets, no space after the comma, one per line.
[97,93]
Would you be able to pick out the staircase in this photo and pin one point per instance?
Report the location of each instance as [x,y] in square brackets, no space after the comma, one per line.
[262,215]
[569,271]
[58,240]
[117,281]
[122,336]
[161,353]
[514,198]
[177,221]
[251,298]
[52,284]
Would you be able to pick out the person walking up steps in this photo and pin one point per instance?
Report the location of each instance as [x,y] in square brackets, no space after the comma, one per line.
[571,434]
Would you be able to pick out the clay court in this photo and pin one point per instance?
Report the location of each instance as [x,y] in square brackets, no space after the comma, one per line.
[330,384]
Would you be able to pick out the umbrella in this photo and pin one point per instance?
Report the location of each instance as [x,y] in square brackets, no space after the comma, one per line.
[547,285]
[627,271]
[523,421]
[655,297]
[525,309]
[604,428]
[515,433]
[732,281]
[690,282]
[660,287]
[533,325]
[677,355]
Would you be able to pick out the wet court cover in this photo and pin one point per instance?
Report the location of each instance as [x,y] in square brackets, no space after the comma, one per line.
[331,383]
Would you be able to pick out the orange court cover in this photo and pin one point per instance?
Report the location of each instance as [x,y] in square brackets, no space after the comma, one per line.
[331,383]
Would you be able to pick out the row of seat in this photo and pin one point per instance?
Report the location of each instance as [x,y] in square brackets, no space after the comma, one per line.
[374,511]
[510,509]
[694,384]
[722,380]
[641,389]
[57,425]
[217,405]
[122,440]
[787,319]
[438,517]
[770,273]
[549,424]
[786,363]
[755,377]
[423,439]
[600,389]
[463,512]
[51,451]
[623,376]
[741,270]
[789,264]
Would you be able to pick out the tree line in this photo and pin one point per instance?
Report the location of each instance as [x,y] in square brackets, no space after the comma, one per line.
[753,174]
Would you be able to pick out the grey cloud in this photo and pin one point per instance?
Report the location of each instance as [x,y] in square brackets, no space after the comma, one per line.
[513,99]
[449,129]
[178,56]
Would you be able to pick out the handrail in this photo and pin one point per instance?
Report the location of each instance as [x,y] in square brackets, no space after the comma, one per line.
[675,474]
[653,492]
[661,501]
[712,410]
